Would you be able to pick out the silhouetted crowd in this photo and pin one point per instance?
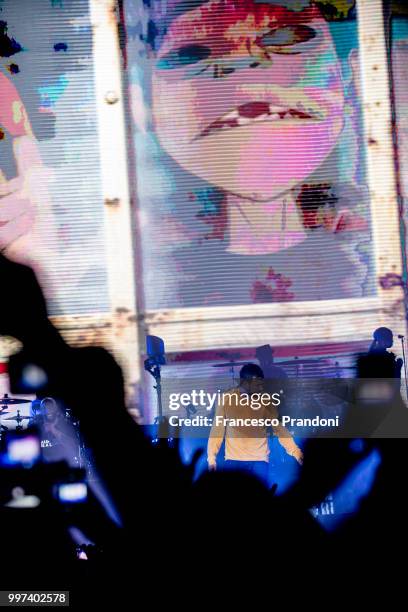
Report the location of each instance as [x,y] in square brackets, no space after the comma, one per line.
[172,530]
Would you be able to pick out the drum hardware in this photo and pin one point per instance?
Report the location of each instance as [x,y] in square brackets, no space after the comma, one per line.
[229,364]
[302,372]
[297,362]
[19,419]
[11,401]
[301,366]
[7,401]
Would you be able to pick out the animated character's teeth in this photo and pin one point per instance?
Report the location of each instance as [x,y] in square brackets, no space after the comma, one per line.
[256,112]
[261,117]
[231,115]
[276,109]
[244,120]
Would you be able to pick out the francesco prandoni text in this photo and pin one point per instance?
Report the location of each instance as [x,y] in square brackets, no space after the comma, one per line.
[222,421]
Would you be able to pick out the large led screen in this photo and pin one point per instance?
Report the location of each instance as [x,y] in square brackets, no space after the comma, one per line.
[249,141]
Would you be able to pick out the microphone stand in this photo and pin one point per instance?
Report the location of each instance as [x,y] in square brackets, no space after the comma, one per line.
[152,366]
[402,338]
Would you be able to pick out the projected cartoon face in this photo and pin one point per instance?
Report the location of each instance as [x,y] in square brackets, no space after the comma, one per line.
[248,96]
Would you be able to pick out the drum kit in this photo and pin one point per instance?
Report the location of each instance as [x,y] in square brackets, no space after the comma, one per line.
[6,403]
[297,368]
[38,417]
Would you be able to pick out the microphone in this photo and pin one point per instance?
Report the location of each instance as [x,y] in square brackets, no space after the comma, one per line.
[401,337]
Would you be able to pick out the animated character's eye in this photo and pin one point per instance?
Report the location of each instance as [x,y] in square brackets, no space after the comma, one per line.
[283,40]
[184,56]
[61,46]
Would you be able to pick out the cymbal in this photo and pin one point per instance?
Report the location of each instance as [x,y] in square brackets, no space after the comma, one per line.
[11,401]
[229,364]
[17,418]
[296,362]
[343,355]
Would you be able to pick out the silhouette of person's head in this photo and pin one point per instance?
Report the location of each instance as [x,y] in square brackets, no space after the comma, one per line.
[264,354]
[383,337]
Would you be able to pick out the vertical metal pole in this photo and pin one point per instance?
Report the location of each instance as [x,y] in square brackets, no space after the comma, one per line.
[115,187]
[381,175]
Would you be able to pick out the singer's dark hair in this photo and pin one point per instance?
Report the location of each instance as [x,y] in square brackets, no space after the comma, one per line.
[251,370]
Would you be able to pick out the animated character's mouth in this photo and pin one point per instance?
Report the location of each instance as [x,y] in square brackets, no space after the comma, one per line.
[255,112]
